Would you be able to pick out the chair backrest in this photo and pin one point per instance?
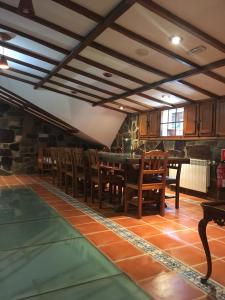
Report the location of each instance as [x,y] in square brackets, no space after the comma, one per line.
[68,160]
[153,165]
[78,156]
[94,162]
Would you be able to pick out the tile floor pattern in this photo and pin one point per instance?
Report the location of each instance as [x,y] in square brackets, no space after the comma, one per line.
[131,243]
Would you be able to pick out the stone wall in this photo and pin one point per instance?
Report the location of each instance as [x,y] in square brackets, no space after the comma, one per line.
[127,139]
[20,136]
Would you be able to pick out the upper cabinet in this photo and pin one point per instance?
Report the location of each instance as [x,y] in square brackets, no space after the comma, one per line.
[220,118]
[143,125]
[154,121]
[206,119]
[149,124]
[190,120]
[199,119]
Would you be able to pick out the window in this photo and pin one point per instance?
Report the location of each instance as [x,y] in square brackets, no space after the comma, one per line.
[172,121]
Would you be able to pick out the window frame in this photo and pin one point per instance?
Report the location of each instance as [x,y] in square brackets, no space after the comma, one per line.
[175,122]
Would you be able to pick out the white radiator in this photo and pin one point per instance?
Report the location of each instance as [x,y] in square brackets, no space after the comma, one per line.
[195,176]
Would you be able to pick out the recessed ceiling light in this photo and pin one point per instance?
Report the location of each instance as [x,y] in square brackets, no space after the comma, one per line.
[142,52]
[107,74]
[175,39]
[197,50]
[121,107]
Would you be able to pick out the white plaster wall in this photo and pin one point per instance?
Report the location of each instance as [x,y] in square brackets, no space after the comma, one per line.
[97,123]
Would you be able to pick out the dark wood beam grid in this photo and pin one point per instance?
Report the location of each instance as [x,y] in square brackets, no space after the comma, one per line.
[109,19]
[78,37]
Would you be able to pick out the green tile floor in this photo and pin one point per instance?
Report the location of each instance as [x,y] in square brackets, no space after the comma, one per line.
[44,257]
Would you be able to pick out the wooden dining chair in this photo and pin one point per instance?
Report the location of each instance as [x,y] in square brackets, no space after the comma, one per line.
[80,171]
[151,180]
[98,175]
[175,181]
[44,160]
[54,165]
[69,171]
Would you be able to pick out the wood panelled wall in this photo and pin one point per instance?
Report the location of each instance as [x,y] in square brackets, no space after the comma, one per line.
[205,119]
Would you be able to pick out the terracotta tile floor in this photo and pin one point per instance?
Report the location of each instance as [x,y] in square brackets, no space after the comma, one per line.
[176,234]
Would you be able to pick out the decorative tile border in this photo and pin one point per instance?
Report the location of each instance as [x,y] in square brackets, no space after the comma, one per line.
[213,288]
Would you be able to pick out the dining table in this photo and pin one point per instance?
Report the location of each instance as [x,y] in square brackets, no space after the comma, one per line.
[129,164]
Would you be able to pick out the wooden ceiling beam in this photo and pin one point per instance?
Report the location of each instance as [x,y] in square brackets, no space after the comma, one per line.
[169,16]
[134,36]
[121,8]
[177,77]
[80,38]
[164,90]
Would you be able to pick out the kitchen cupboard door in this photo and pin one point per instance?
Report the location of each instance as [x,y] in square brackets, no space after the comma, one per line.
[190,120]
[143,125]
[206,117]
[153,130]
[220,118]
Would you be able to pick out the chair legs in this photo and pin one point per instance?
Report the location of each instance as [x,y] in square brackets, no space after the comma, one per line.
[177,197]
[139,204]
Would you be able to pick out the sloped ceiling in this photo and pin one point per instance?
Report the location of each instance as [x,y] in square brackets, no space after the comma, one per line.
[95,57]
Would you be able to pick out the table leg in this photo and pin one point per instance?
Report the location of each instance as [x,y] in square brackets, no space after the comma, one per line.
[202,232]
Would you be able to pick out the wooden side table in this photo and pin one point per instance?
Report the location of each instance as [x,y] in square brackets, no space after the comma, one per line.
[213,211]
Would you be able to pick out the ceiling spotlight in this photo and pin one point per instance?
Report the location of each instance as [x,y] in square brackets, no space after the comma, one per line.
[121,107]
[3,63]
[142,52]
[26,7]
[107,74]
[175,39]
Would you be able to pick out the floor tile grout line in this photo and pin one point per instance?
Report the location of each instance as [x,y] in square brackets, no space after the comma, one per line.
[184,269]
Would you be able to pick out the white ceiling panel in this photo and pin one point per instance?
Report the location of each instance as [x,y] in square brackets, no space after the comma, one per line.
[80,87]
[117,106]
[124,102]
[91,81]
[35,47]
[146,101]
[99,6]
[119,65]
[211,20]
[207,83]
[99,72]
[26,69]
[63,16]
[19,75]
[220,71]
[159,30]
[35,29]
[26,58]
[165,97]
[184,90]
[131,48]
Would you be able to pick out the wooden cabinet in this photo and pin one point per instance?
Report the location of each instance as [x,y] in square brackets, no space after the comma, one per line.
[153,130]
[149,124]
[190,120]
[143,125]
[220,118]
[206,119]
